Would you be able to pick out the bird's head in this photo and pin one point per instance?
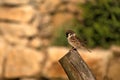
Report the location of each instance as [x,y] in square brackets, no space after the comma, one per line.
[70,33]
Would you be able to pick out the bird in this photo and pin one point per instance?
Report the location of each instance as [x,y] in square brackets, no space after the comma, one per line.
[74,41]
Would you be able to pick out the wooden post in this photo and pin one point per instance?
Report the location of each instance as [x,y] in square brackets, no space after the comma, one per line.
[75,67]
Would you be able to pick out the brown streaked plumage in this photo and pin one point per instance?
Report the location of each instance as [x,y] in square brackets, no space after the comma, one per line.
[74,41]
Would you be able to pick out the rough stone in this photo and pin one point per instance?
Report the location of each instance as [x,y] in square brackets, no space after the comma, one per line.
[28,79]
[46,32]
[17,14]
[46,19]
[61,18]
[49,6]
[52,67]
[14,2]
[20,61]
[36,21]
[14,40]
[77,1]
[114,68]
[35,43]
[3,49]
[17,29]
[62,8]
[115,49]
[72,7]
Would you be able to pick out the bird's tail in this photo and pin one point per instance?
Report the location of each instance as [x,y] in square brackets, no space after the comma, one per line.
[87,49]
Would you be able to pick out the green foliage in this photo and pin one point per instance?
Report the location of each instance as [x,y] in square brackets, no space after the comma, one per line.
[100,25]
[60,36]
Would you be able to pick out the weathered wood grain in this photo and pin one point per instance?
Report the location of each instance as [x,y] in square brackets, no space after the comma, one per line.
[75,67]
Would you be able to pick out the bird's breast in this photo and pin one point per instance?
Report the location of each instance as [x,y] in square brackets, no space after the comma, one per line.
[74,42]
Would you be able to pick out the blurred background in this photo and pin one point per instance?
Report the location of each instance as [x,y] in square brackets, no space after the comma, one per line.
[32,37]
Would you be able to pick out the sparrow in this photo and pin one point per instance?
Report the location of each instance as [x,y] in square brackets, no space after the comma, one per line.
[74,41]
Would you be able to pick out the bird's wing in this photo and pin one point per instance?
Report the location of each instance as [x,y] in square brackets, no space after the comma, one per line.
[83,43]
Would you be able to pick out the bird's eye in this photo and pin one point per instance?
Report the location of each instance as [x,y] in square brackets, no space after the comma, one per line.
[67,34]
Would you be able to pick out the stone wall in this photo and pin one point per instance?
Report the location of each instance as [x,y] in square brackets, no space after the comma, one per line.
[19,21]
[30,21]
[25,30]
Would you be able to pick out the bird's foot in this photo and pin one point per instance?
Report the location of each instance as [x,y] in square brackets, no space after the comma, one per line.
[73,48]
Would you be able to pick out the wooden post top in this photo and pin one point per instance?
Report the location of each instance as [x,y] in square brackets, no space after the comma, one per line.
[75,67]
